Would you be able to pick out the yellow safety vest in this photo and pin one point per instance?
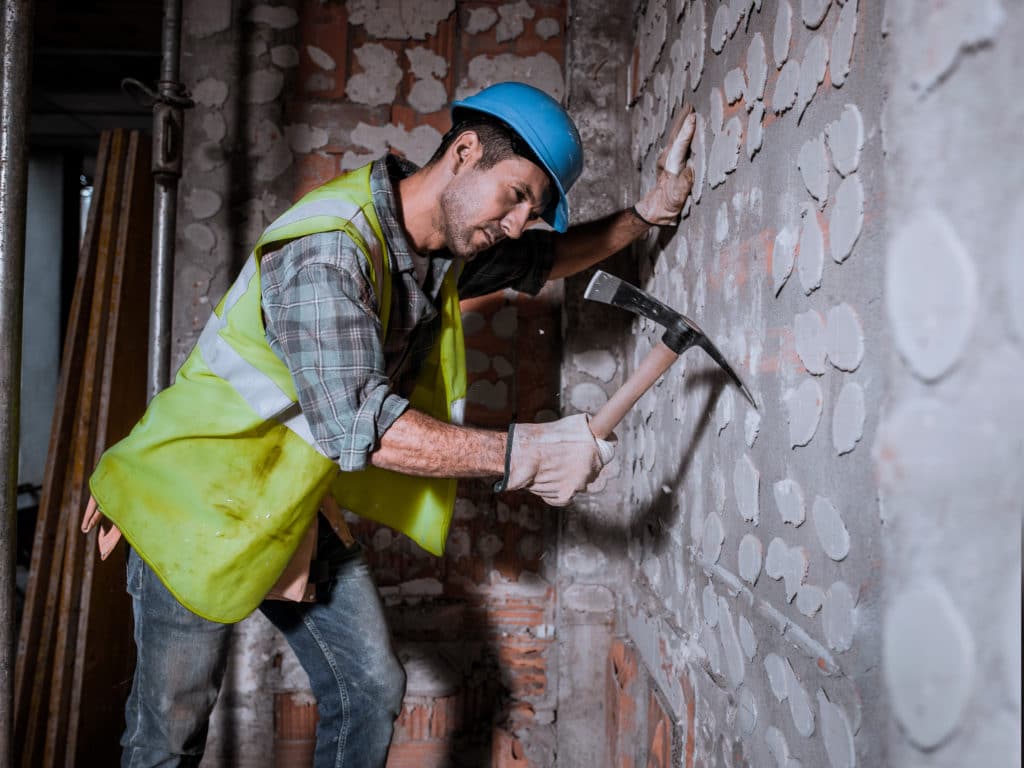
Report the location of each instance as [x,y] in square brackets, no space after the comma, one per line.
[218,482]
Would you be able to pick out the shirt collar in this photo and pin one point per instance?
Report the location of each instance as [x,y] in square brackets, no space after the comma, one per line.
[384,173]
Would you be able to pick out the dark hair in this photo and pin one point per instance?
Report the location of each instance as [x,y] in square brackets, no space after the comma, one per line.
[497,140]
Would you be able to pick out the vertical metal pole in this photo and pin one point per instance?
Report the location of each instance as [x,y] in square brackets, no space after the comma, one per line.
[15,47]
[168,133]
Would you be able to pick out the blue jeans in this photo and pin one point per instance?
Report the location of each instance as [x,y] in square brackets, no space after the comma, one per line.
[341,640]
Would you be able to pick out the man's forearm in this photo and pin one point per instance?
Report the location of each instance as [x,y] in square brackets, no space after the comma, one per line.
[587,244]
[417,444]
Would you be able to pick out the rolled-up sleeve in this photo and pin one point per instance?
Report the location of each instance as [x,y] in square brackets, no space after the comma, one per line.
[322,321]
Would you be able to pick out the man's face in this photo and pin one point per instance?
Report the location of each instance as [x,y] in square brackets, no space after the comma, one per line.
[481,207]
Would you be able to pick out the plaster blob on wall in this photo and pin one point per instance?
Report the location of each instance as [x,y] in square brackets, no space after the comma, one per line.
[722,223]
[378,82]
[812,73]
[263,86]
[783,33]
[778,675]
[783,256]
[274,16]
[930,293]
[814,12]
[789,564]
[830,528]
[809,599]
[710,602]
[845,338]
[928,660]
[492,396]
[210,92]
[812,250]
[786,85]
[789,499]
[835,728]
[735,84]
[755,130]
[695,31]
[837,616]
[779,749]
[480,20]
[711,541]
[803,411]
[716,110]
[946,31]
[511,24]
[746,711]
[723,411]
[735,664]
[751,427]
[799,704]
[757,71]
[749,558]
[547,28]
[599,363]
[698,156]
[720,27]
[746,481]
[587,397]
[399,19]
[848,418]
[809,337]
[842,43]
[812,160]
[725,152]
[203,203]
[747,638]
[846,218]
[541,70]
[321,58]
[845,139]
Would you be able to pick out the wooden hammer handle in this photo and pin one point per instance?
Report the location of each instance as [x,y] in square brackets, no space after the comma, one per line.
[658,361]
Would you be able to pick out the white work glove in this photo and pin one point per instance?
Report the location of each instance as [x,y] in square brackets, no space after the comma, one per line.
[662,205]
[554,460]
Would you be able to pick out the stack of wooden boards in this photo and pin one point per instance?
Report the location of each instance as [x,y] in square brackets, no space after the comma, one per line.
[75,650]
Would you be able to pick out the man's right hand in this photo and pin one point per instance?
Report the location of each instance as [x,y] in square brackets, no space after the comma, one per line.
[556,460]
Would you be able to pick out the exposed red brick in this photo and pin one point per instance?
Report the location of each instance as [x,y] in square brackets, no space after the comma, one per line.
[507,751]
[659,730]
[324,25]
[314,169]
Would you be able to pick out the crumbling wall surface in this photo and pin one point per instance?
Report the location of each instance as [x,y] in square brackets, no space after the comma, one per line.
[755,598]
[948,448]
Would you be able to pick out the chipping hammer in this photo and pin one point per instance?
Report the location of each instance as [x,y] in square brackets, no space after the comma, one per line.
[681,333]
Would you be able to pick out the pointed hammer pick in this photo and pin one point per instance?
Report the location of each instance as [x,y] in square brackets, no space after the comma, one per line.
[681,333]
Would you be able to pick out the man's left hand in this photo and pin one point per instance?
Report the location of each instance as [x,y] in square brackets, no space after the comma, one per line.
[664,202]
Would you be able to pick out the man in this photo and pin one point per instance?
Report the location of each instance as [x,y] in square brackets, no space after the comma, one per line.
[334,369]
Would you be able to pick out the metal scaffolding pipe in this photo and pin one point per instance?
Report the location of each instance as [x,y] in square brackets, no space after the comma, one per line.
[15,73]
[168,136]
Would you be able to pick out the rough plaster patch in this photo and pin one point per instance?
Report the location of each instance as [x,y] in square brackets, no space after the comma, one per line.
[491,395]
[511,16]
[812,250]
[547,28]
[424,63]
[598,363]
[747,638]
[830,528]
[751,427]
[710,602]
[846,218]
[284,56]
[812,160]
[837,617]
[399,19]
[783,33]
[835,727]
[725,152]
[928,658]
[845,139]
[587,397]
[812,73]
[842,43]
[789,499]
[757,71]
[698,156]
[848,418]
[480,20]
[724,411]
[201,237]
[746,481]
[321,58]
[803,411]
[783,256]
[210,92]
[814,12]
[378,81]
[735,665]
[944,32]
[428,96]
[274,16]
[785,87]
[788,564]
[755,130]
[720,28]
[809,337]
[203,203]
[750,554]
[711,541]
[716,110]
[541,71]
[809,600]
[845,338]
[746,711]
[735,84]
[417,145]
[930,293]
[304,138]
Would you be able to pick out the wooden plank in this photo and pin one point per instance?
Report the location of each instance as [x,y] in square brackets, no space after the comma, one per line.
[105,655]
[81,464]
[34,640]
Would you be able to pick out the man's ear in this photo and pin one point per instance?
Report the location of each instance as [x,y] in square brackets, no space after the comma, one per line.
[465,151]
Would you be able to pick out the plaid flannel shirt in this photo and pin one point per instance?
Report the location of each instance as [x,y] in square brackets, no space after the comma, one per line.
[323,321]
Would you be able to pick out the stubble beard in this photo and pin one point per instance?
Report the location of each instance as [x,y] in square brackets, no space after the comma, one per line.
[456,204]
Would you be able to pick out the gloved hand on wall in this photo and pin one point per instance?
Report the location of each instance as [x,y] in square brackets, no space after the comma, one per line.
[665,200]
[554,460]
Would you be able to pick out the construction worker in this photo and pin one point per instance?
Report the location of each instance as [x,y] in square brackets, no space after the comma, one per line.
[331,375]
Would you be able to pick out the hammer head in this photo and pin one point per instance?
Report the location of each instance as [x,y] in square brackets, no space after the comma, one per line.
[681,333]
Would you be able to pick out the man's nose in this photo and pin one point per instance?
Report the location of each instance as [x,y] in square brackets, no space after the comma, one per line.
[515,221]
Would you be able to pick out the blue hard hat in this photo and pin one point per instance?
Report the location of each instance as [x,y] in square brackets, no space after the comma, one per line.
[546,128]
